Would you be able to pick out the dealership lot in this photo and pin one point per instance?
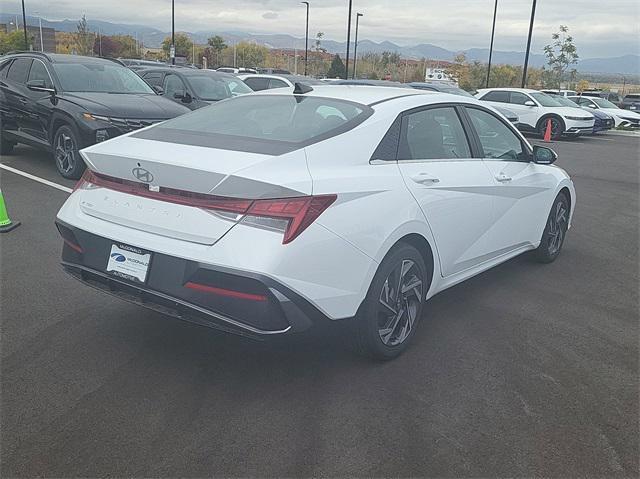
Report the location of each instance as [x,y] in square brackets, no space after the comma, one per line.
[524,370]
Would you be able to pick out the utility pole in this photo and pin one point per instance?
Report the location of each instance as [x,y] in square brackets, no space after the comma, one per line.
[172,48]
[493,31]
[355,48]
[526,56]
[24,27]
[346,67]
[306,41]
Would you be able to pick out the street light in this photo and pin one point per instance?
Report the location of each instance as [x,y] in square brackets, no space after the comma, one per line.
[306,41]
[172,49]
[493,31]
[355,47]
[526,56]
[346,67]
[24,27]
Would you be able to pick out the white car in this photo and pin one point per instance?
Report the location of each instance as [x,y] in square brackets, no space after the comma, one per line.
[620,116]
[262,81]
[266,213]
[535,109]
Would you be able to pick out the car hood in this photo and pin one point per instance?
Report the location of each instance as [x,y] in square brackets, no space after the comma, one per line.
[571,111]
[126,105]
[621,113]
[599,114]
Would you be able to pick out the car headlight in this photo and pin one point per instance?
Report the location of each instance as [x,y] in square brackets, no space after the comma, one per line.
[92,117]
[578,118]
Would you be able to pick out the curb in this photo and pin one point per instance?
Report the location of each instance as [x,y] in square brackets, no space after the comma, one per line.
[623,133]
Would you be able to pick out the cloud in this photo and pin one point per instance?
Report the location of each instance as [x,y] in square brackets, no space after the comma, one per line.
[599,28]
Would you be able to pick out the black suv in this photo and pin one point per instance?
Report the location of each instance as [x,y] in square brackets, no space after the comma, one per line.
[63,103]
[193,88]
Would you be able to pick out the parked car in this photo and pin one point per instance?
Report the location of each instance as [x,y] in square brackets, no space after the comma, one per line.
[534,109]
[236,71]
[613,97]
[264,214]
[602,120]
[193,88]
[564,93]
[631,102]
[443,87]
[624,118]
[63,103]
[261,82]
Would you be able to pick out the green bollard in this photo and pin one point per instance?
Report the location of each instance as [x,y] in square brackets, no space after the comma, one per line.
[6,224]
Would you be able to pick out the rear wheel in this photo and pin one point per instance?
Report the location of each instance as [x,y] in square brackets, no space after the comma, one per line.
[65,151]
[390,313]
[555,231]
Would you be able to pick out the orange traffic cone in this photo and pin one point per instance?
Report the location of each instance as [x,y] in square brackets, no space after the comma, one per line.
[547,132]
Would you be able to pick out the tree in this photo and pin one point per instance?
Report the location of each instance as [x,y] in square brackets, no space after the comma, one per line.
[12,41]
[561,54]
[337,68]
[84,38]
[251,54]
[218,45]
[582,86]
[183,45]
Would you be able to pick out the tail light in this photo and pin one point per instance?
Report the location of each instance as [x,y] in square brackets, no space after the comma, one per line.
[289,215]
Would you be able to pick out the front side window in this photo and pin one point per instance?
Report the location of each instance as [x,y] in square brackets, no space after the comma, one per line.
[275,83]
[499,96]
[435,133]
[601,102]
[212,88]
[172,85]
[496,138]
[153,78]
[99,77]
[518,98]
[39,72]
[263,123]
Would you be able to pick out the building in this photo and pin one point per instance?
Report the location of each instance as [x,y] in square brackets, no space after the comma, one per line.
[33,36]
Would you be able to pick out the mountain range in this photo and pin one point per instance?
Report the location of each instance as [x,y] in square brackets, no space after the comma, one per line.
[152,37]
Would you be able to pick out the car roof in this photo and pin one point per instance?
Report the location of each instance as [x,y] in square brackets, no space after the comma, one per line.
[186,71]
[522,90]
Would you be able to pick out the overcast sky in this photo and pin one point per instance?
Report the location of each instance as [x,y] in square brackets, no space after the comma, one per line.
[600,27]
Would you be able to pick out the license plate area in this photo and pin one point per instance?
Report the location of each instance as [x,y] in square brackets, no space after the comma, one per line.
[128,262]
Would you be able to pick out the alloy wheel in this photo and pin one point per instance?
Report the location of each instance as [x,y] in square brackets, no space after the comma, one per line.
[557,227]
[399,303]
[65,153]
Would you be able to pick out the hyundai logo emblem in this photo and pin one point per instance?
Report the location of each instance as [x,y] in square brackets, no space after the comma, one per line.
[143,175]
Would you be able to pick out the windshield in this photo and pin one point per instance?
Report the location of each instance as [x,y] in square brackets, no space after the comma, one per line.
[545,100]
[565,101]
[456,91]
[602,103]
[264,123]
[99,77]
[210,88]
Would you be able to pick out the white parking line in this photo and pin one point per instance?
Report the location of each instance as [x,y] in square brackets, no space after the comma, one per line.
[36,178]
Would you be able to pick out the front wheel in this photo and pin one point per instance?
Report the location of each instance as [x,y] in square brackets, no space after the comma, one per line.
[388,317]
[557,127]
[554,231]
[65,151]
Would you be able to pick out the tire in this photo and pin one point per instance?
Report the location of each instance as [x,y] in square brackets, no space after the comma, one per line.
[555,231]
[65,153]
[386,323]
[557,127]
[6,147]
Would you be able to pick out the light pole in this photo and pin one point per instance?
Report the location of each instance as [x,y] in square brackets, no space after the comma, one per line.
[346,67]
[526,55]
[306,41]
[493,31]
[24,27]
[172,48]
[355,47]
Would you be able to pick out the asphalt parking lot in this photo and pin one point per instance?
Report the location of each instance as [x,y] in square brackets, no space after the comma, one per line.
[525,370]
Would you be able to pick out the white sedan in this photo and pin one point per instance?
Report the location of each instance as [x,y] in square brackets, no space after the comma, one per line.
[536,110]
[621,117]
[266,213]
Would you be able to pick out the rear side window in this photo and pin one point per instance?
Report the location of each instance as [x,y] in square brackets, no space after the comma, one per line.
[499,96]
[19,70]
[271,124]
[257,83]
[436,133]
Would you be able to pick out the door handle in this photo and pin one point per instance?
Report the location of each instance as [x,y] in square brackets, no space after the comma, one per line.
[425,179]
[502,178]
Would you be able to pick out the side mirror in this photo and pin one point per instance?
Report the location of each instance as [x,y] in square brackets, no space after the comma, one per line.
[158,89]
[543,155]
[529,103]
[39,85]
[178,94]
[592,106]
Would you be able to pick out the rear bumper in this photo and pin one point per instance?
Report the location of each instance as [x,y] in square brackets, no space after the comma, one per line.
[165,290]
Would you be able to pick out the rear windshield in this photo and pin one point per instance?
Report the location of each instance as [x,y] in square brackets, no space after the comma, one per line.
[270,124]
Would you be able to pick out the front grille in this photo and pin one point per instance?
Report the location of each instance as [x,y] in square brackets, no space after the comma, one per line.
[131,124]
